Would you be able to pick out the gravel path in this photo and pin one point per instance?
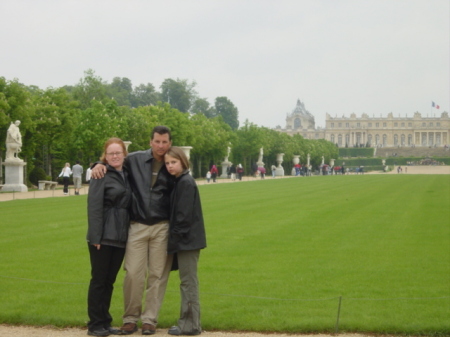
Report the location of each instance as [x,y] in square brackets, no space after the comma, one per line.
[47,331]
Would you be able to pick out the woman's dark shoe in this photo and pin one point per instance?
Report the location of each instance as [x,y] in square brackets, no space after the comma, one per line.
[98,332]
[176,331]
[112,331]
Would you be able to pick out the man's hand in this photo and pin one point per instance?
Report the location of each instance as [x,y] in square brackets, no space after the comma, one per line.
[99,171]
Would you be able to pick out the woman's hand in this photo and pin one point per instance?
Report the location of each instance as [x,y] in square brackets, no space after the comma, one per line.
[97,246]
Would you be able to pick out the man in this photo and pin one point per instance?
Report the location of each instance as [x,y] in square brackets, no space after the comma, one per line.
[77,171]
[147,264]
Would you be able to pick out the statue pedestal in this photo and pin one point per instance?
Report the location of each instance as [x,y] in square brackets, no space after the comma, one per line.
[279,172]
[225,166]
[14,176]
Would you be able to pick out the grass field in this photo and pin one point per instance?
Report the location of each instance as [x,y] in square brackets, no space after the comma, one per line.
[359,253]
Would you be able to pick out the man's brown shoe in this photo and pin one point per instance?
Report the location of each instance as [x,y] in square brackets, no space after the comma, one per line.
[128,328]
[148,329]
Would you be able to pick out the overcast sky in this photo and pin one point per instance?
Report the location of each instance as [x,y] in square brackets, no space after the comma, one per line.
[336,56]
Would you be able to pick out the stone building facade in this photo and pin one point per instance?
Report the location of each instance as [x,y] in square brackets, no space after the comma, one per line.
[375,131]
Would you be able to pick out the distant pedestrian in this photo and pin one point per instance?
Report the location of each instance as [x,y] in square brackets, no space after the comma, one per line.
[208,176]
[273,168]
[77,171]
[232,172]
[240,171]
[65,174]
[88,173]
[214,173]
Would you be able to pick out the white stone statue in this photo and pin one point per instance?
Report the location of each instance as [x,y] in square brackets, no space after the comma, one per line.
[13,142]
[228,154]
[261,152]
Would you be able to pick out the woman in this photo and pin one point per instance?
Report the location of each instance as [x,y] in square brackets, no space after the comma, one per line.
[214,173]
[108,217]
[186,238]
[66,173]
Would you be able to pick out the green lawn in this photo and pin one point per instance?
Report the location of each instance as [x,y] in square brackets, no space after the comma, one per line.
[283,255]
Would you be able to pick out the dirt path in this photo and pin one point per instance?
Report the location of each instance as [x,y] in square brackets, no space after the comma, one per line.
[46,331]
[85,188]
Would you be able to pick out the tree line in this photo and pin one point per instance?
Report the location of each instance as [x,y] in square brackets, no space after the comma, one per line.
[71,123]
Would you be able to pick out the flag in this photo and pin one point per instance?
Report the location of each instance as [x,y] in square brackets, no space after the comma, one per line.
[432,104]
[437,106]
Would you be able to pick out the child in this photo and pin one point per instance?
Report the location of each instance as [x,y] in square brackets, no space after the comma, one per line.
[186,238]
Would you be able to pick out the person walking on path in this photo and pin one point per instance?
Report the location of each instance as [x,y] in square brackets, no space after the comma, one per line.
[147,264]
[187,237]
[214,173]
[88,173]
[240,171]
[273,169]
[77,171]
[65,174]
[108,221]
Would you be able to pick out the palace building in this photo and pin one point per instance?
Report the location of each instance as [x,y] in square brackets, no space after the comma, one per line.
[373,131]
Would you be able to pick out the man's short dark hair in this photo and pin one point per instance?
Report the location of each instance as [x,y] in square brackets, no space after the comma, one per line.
[161,129]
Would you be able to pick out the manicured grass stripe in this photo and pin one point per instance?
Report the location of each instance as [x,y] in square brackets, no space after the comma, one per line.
[280,253]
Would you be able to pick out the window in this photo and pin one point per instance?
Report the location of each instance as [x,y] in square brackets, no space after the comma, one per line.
[370,125]
[332,125]
[340,125]
[438,124]
[377,125]
[347,125]
[384,125]
[424,124]
[403,125]
[395,124]
[431,124]
[409,124]
[358,125]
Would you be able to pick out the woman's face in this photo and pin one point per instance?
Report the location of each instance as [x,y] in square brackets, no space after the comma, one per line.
[173,165]
[115,156]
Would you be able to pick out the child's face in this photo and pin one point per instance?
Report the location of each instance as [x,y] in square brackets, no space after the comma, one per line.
[173,165]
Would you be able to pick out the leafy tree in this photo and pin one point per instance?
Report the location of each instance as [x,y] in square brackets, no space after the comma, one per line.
[202,106]
[94,126]
[180,94]
[91,87]
[226,109]
[210,148]
[120,90]
[140,123]
[55,116]
[143,95]
[246,145]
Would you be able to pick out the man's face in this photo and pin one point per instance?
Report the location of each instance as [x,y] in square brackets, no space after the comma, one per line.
[160,144]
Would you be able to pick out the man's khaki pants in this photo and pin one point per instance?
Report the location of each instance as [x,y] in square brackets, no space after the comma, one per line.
[147,266]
